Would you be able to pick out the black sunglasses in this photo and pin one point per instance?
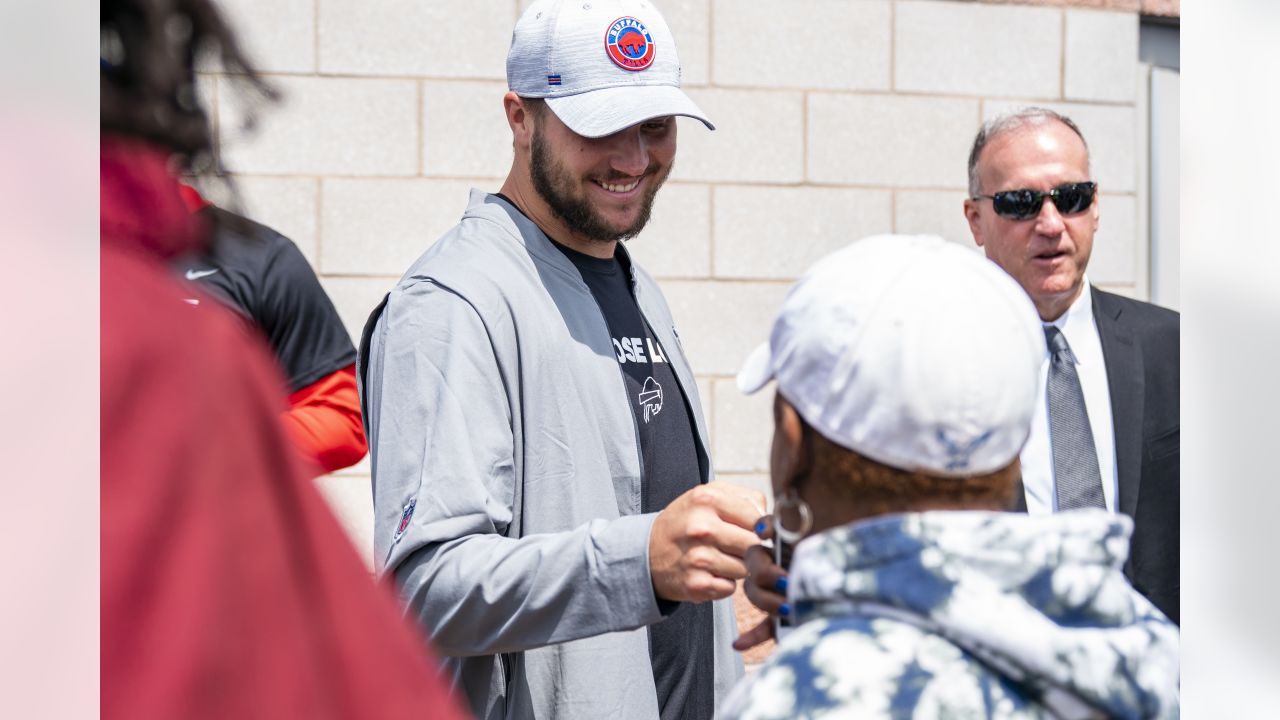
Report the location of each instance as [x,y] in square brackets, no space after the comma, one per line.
[1070,199]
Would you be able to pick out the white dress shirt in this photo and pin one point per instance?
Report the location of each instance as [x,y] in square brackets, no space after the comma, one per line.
[1081,331]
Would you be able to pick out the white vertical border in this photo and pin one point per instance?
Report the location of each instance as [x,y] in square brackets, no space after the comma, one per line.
[1230,297]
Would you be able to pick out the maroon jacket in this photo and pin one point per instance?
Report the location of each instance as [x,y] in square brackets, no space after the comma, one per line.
[228,588]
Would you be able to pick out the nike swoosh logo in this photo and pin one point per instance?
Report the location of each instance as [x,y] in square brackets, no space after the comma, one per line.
[197,274]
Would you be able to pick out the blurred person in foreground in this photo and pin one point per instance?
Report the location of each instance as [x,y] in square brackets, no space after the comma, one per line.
[542,483]
[228,589]
[264,278]
[1105,432]
[906,370]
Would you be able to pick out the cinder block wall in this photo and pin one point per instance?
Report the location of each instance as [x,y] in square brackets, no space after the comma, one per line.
[837,119]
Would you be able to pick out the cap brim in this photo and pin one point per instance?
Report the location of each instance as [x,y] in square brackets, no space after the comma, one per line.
[597,113]
[757,371]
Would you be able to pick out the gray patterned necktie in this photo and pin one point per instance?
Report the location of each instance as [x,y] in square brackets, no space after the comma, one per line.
[1075,459]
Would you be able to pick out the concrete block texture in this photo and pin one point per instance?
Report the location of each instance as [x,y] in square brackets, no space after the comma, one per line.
[276,36]
[744,429]
[324,126]
[1128,291]
[356,297]
[759,137]
[1101,56]
[286,205]
[380,226]
[438,38]
[1116,245]
[721,322]
[677,241]
[464,129]
[834,44]
[350,497]
[778,232]
[1146,6]
[690,23]
[964,48]
[932,212]
[708,400]
[887,140]
[1167,8]
[1111,132]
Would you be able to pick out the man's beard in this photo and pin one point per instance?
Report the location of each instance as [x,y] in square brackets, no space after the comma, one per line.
[554,183]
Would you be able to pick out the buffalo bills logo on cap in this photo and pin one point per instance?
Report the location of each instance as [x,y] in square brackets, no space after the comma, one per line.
[629,44]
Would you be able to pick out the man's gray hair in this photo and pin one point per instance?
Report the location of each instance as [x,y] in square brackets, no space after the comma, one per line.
[1012,121]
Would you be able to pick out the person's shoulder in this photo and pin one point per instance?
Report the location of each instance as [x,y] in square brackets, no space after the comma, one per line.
[481,244]
[1146,319]
[231,227]
[873,667]
[239,244]
[1148,312]
[489,259]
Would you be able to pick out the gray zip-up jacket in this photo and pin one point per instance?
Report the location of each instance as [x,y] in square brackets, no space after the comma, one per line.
[507,471]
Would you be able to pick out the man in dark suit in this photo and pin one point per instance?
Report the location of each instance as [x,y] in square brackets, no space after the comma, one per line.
[1105,433]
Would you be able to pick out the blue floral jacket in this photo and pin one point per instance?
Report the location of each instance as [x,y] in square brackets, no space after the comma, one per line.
[967,615]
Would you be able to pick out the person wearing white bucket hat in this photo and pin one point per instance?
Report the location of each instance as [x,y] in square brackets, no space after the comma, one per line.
[540,460]
[907,370]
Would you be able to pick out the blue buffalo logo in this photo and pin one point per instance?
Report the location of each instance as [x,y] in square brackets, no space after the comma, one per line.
[629,44]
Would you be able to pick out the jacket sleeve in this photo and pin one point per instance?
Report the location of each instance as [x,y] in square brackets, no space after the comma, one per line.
[446,476]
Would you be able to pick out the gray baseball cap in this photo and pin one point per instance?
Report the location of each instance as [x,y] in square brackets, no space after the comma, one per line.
[601,65]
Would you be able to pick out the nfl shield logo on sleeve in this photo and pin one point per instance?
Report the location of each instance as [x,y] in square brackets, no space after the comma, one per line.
[405,516]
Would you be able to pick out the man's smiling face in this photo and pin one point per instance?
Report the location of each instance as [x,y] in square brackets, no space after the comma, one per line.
[602,188]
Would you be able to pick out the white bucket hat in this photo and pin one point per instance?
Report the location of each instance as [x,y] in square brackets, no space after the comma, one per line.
[601,65]
[912,351]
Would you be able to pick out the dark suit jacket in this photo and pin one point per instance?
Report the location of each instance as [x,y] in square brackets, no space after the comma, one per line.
[1140,347]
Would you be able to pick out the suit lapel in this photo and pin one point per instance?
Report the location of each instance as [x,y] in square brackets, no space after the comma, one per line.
[1123,357]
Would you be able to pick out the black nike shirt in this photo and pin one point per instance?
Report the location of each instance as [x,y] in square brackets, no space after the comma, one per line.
[681,647]
[262,275]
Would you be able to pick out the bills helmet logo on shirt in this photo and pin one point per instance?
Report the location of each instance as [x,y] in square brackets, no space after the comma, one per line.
[629,44]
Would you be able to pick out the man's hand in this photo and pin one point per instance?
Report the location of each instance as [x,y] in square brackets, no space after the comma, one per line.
[697,543]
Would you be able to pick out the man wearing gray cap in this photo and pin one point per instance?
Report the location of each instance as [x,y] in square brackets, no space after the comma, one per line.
[541,476]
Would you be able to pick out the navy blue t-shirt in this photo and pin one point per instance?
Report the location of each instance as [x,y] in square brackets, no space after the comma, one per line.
[681,647]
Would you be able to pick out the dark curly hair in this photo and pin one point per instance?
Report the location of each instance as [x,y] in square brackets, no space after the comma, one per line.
[149,53]
[878,489]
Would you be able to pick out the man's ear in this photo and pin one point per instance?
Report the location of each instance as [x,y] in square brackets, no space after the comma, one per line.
[519,118]
[972,213]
